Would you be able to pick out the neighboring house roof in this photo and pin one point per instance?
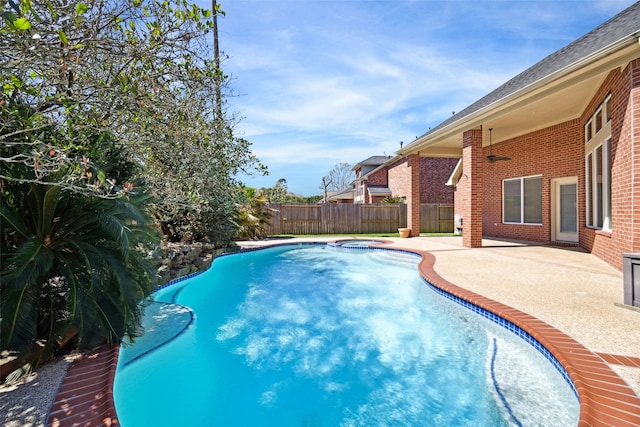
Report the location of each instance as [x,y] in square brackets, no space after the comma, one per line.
[388,162]
[371,161]
[377,161]
[379,191]
[567,74]
[346,194]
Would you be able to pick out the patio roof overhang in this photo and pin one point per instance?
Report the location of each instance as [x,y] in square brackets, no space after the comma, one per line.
[554,99]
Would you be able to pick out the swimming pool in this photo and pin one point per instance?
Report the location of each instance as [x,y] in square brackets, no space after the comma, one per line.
[320,335]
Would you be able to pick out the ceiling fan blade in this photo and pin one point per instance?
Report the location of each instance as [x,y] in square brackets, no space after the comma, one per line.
[493,158]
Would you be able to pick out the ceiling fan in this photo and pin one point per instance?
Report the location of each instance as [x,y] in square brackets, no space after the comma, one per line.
[491,157]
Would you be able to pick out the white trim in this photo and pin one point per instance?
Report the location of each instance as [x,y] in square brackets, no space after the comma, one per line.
[600,186]
[455,175]
[556,234]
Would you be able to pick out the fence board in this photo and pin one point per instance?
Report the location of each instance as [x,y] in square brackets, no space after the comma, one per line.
[343,218]
[445,219]
[301,219]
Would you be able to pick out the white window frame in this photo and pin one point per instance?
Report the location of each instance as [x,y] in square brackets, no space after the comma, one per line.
[522,201]
[598,187]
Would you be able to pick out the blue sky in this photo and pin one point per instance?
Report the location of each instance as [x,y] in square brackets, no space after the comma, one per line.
[322,82]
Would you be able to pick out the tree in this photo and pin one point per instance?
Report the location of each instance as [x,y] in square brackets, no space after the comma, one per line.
[279,193]
[326,182]
[140,70]
[102,103]
[339,178]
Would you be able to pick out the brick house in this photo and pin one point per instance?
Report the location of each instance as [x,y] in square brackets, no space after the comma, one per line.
[380,176]
[434,173]
[370,184]
[568,130]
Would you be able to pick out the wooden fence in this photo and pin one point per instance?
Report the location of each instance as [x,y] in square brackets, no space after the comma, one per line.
[343,218]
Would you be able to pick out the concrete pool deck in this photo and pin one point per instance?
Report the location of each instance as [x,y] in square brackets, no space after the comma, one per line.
[571,291]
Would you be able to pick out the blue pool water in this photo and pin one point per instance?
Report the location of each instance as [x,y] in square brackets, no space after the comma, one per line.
[312,335]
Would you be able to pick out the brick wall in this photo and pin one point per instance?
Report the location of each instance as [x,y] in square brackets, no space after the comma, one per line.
[460,192]
[472,211]
[434,173]
[558,151]
[554,152]
[378,177]
[624,87]
[413,199]
[609,245]
[400,178]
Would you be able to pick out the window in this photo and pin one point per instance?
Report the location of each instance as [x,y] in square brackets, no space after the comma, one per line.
[598,167]
[522,200]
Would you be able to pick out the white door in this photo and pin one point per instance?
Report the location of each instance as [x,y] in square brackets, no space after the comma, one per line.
[565,218]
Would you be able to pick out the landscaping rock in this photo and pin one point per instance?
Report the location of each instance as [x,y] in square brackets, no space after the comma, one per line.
[177,260]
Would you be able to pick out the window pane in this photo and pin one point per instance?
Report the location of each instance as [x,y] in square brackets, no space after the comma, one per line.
[533,200]
[589,175]
[606,161]
[598,199]
[598,121]
[568,217]
[512,201]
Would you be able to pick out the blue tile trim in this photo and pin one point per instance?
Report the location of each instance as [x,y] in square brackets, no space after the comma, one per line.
[497,387]
[508,325]
[354,243]
[178,280]
[370,248]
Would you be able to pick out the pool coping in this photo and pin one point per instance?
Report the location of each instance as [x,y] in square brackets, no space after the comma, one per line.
[86,394]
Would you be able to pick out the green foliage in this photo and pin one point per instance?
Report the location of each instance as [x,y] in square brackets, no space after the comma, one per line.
[108,117]
[142,72]
[393,199]
[279,193]
[253,215]
[70,260]
[311,199]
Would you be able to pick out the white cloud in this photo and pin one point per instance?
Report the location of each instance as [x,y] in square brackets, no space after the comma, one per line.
[324,82]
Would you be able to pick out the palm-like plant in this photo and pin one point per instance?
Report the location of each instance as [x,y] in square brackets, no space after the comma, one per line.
[393,199]
[252,216]
[71,261]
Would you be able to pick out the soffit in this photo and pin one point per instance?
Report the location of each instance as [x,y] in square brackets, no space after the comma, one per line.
[554,100]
